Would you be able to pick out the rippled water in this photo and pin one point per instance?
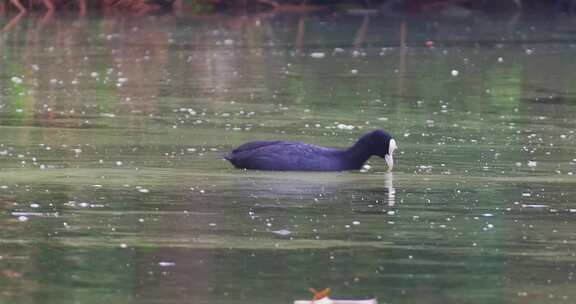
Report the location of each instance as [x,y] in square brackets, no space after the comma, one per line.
[112,187]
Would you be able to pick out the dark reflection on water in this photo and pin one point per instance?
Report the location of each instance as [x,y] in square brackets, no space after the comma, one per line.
[112,187]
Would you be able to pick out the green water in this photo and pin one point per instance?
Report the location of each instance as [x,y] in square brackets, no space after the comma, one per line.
[112,188]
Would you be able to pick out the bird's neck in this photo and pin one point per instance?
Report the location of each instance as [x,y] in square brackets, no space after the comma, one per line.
[360,152]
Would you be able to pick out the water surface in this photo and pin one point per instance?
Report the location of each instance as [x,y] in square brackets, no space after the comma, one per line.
[112,186]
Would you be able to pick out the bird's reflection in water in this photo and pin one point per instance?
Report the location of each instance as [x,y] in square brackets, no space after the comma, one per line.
[389,185]
[365,194]
[377,198]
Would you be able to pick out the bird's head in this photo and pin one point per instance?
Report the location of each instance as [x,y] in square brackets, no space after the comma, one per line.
[384,146]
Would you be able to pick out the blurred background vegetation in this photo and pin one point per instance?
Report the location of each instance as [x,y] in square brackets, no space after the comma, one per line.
[197,7]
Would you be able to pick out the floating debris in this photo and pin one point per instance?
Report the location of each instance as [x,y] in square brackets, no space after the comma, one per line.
[322,297]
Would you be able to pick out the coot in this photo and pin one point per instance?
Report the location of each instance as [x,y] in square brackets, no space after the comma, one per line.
[297,156]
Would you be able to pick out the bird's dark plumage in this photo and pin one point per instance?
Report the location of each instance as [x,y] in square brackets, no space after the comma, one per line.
[297,156]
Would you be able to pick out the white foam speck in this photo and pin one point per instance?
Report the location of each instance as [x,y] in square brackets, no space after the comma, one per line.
[345,127]
[317,55]
[282,232]
[534,206]
[365,168]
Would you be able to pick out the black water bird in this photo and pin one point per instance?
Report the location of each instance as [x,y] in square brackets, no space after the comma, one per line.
[298,156]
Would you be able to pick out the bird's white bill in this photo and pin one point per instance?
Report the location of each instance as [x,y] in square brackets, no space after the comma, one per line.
[390,156]
[389,161]
[392,146]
